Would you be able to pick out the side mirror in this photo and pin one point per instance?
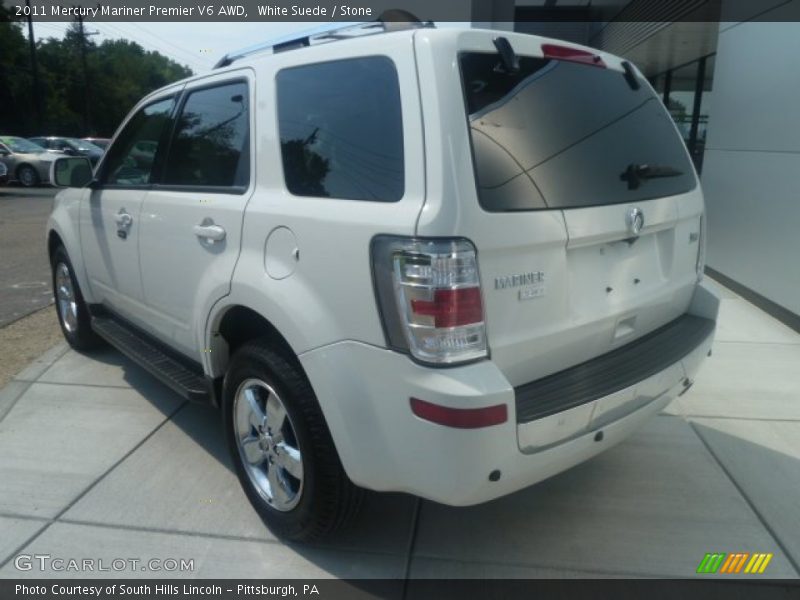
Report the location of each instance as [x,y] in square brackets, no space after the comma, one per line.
[71,172]
[4,152]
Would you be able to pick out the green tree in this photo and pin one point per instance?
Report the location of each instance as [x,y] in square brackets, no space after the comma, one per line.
[120,72]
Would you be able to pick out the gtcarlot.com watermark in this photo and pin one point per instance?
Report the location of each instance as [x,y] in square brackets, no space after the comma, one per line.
[47,562]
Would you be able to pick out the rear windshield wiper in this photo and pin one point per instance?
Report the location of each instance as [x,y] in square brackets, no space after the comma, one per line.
[635,175]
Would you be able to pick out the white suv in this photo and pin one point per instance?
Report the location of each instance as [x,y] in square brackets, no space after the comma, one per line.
[444,262]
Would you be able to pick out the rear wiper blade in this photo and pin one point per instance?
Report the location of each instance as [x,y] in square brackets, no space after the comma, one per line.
[636,174]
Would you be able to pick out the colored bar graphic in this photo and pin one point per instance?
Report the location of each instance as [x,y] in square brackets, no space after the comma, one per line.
[711,562]
[763,567]
[721,562]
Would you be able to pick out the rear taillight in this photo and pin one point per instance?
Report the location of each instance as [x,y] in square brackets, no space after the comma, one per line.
[430,298]
[584,57]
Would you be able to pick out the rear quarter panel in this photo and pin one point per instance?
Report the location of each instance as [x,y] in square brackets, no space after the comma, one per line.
[329,296]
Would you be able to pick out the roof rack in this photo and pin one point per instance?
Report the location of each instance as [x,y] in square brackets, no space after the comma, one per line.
[390,20]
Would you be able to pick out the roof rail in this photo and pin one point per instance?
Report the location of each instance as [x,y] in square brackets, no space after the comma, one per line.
[390,20]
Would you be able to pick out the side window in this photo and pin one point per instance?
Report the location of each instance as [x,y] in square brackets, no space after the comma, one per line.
[341,129]
[211,142]
[131,157]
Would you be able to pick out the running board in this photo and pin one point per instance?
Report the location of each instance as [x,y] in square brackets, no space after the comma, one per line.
[180,378]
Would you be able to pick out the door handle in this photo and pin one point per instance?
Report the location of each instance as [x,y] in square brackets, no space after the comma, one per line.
[209,231]
[124,222]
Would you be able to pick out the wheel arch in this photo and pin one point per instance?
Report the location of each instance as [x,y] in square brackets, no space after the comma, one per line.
[21,166]
[53,241]
[237,324]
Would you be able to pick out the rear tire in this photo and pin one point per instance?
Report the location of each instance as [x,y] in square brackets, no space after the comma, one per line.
[73,315]
[28,176]
[282,449]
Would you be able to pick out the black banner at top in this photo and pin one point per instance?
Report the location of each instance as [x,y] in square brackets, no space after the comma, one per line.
[477,11]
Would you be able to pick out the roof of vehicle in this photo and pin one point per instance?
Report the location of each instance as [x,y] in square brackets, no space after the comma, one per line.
[353,33]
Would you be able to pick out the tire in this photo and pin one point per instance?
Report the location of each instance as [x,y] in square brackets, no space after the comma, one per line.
[73,315]
[293,476]
[28,176]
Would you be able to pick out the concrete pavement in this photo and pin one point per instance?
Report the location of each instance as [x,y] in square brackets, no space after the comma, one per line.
[98,460]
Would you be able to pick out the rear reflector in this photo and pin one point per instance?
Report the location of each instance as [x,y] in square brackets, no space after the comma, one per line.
[460,418]
[572,54]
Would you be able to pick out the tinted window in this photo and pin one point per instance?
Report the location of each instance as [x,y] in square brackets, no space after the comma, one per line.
[130,159]
[211,141]
[341,130]
[559,134]
[21,145]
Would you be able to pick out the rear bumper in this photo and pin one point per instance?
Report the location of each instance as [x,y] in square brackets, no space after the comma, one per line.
[364,393]
[591,395]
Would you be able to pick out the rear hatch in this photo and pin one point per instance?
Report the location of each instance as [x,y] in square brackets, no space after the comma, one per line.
[591,210]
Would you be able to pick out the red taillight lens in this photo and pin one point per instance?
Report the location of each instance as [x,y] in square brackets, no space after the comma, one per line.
[572,54]
[452,308]
[460,418]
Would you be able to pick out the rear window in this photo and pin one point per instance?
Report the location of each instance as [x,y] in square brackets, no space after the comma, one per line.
[558,134]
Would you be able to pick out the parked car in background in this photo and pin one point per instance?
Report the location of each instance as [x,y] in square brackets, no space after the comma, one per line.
[26,161]
[101,143]
[70,147]
[3,174]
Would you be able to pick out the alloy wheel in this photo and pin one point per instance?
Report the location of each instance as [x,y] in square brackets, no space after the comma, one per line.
[65,296]
[268,444]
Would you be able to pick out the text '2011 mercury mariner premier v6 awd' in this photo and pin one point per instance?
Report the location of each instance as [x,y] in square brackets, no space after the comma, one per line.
[445,262]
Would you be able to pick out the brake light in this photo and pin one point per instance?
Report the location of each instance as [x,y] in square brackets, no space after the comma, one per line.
[584,57]
[430,298]
[451,308]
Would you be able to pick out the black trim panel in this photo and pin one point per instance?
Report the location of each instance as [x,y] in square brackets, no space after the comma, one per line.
[612,372]
[178,373]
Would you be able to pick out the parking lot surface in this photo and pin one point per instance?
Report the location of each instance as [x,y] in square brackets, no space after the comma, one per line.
[24,269]
[98,460]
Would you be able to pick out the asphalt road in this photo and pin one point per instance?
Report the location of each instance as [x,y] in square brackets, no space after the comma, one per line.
[24,267]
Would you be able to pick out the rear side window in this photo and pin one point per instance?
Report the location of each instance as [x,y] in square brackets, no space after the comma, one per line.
[341,130]
[211,141]
[563,135]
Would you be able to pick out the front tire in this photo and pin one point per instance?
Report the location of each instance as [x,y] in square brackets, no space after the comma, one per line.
[282,449]
[28,176]
[73,315]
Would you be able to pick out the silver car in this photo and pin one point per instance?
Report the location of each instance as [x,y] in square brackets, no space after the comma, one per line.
[27,162]
[3,174]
